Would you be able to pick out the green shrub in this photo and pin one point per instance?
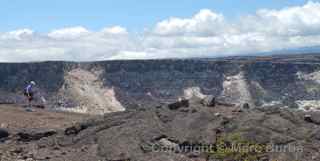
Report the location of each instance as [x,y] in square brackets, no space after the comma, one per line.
[235,147]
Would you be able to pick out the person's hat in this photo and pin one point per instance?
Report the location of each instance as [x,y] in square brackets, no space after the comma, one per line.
[33,83]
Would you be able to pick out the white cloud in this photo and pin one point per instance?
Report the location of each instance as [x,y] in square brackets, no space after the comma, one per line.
[294,21]
[204,23]
[205,34]
[129,55]
[17,34]
[115,30]
[68,33]
[266,30]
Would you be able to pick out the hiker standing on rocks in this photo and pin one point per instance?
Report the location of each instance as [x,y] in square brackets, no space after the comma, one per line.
[29,93]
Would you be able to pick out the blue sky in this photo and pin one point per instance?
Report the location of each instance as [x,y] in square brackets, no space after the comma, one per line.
[135,15]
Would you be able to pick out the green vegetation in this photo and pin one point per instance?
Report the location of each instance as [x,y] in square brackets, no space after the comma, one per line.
[235,147]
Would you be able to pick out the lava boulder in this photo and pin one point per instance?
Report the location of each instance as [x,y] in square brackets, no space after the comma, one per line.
[209,101]
[3,133]
[179,104]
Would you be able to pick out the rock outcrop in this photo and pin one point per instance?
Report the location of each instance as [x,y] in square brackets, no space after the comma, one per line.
[31,135]
[3,133]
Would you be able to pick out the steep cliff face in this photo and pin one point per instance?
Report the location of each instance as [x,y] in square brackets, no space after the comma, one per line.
[15,76]
[282,83]
[150,82]
[100,87]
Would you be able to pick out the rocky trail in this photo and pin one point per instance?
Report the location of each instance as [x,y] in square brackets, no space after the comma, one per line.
[16,117]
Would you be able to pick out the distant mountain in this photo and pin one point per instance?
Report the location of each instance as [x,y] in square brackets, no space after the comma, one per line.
[313,50]
[302,50]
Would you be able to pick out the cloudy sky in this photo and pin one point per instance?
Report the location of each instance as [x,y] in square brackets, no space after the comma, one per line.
[36,30]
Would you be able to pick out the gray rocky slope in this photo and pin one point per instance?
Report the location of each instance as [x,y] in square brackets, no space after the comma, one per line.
[109,86]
